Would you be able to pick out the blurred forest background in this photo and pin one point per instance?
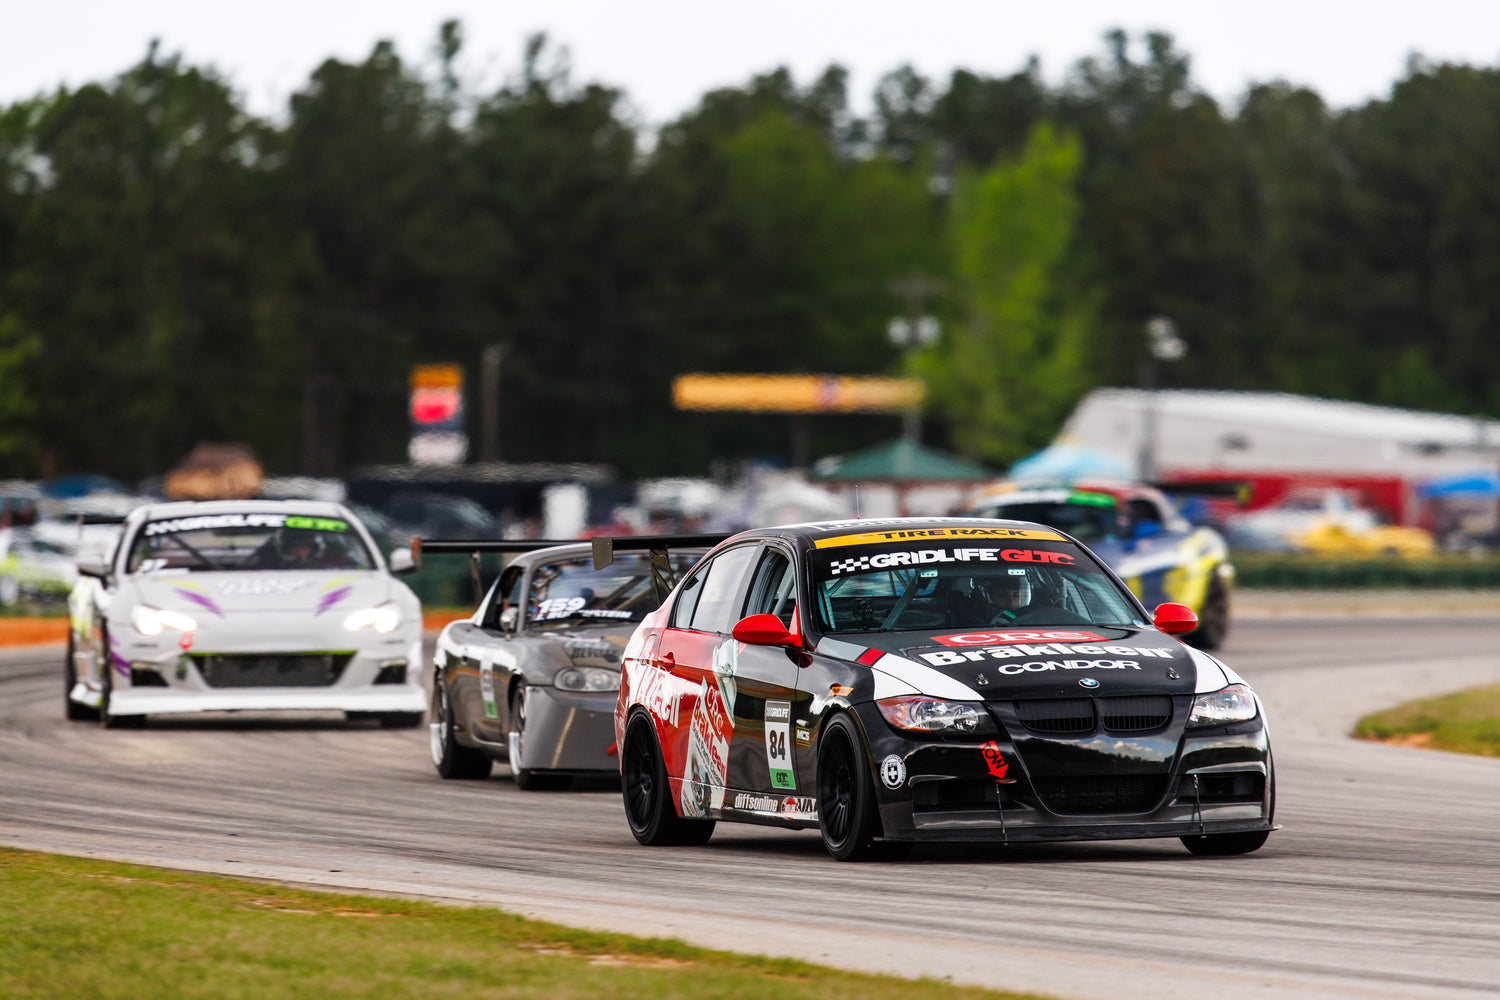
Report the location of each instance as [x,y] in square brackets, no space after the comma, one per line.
[173,269]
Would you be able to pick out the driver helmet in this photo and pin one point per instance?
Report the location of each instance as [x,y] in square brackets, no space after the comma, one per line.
[1008,591]
[299,545]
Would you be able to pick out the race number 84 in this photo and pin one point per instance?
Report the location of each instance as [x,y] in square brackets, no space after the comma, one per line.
[778,717]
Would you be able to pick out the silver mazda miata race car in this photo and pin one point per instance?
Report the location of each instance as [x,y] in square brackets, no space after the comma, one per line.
[244,605]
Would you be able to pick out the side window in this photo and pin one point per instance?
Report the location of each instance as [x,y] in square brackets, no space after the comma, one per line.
[774,589]
[506,594]
[687,598]
[715,607]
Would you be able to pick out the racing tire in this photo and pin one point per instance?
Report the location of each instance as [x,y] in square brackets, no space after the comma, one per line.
[1213,619]
[529,779]
[1223,845]
[649,812]
[106,693]
[452,759]
[74,711]
[847,815]
[399,720]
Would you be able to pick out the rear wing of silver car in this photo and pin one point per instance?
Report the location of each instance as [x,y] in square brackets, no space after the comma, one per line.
[658,549]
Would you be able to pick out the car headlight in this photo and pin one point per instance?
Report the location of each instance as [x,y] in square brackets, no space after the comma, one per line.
[1235,703]
[587,679]
[382,619]
[933,715]
[150,621]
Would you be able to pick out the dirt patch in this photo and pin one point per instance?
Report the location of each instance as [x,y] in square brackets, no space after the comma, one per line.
[32,631]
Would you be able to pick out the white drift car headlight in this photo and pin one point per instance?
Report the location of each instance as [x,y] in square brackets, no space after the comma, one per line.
[587,679]
[382,619]
[150,621]
[934,715]
[1234,703]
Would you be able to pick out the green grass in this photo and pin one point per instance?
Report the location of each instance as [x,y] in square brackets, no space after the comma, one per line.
[1467,722]
[72,927]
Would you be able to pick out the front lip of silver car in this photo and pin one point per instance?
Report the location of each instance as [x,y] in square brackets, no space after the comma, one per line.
[267,634]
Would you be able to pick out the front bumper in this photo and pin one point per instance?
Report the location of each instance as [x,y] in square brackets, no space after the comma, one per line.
[1213,781]
[568,732]
[237,671]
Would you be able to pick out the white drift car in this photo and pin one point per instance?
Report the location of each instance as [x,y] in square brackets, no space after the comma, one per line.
[244,605]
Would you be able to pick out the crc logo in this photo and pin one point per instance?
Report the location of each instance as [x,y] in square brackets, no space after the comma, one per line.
[893,772]
[1088,682]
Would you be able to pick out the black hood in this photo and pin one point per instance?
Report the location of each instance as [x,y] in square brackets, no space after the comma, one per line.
[1003,663]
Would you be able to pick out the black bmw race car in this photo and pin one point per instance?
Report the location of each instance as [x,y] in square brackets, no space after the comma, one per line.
[945,679]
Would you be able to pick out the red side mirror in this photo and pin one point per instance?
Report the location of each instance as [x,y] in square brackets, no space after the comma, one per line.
[1174,619]
[764,630]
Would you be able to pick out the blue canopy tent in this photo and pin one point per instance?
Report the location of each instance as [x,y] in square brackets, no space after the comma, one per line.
[1066,462]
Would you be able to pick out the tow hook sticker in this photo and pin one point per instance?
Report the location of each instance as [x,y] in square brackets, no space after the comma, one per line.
[995,761]
[778,720]
[893,772]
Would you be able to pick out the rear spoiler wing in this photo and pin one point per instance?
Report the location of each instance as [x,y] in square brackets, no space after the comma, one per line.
[657,548]
[604,549]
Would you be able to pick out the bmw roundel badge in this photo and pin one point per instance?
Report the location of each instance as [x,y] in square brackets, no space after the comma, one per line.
[1088,682]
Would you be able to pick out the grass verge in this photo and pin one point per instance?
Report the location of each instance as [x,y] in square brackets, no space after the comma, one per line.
[1466,722]
[73,927]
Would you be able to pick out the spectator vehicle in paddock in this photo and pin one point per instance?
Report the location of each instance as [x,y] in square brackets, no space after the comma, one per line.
[531,678]
[1139,533]
[244,605]
[942,679]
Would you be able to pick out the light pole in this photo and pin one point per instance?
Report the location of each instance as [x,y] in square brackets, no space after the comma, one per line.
[1162,344]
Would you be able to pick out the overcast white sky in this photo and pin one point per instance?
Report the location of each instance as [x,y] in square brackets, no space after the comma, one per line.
[666,53]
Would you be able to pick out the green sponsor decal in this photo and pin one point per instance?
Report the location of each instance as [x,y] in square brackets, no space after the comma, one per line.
[1091,499]
[317,523]
[783,779]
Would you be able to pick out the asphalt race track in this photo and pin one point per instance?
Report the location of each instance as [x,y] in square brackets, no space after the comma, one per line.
[1384,882]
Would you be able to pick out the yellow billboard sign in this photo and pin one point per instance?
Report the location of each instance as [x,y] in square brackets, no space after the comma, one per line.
[797,393]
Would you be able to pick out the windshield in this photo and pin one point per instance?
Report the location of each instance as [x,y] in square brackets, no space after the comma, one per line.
[568,590]
[867,583]
[1092,521]
[237,542]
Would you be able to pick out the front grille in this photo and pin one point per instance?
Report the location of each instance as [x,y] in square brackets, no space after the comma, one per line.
[306,670]
[1093,793]
[1136,713]
[1057,715]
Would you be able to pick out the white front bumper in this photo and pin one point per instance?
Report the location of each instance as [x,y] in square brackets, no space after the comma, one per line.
[187,690]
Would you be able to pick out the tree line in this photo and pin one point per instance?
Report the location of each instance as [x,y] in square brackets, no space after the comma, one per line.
[174,269]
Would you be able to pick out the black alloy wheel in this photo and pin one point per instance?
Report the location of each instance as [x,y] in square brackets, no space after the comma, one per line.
[528,779]
[75,711]
[1213,618]
[847,815]
[652,818]
[452,759]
